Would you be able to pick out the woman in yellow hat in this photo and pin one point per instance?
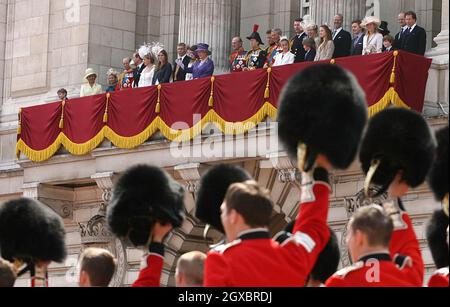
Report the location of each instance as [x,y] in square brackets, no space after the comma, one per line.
[90,88]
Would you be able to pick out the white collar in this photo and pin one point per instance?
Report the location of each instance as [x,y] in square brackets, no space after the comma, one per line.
[300,35]
[412,28]
[182,58]
[405,28]
[338,30]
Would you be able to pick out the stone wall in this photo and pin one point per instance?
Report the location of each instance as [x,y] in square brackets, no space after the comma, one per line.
[3,13]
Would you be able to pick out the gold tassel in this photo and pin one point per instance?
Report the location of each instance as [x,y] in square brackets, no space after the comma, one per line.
[211,97]
[267,92]
[61,121]
[19,127]
[105,116]
[158,104]
[392,80]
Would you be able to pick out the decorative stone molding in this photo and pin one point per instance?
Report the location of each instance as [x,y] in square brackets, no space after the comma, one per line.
[287,172]
[105,181]
[191,174]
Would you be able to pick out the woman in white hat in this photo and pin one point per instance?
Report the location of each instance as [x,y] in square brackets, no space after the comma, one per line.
[90,88]
[373,41]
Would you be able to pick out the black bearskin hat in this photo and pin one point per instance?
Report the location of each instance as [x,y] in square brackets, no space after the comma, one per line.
[31,232]
[439,172]
[213,188]
[437,238]
[400,140]
[142,196]
[327,263]
[324,108]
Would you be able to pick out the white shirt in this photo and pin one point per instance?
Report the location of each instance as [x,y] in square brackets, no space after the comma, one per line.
[373,44]
[337,32]
[284,59]
[147,76]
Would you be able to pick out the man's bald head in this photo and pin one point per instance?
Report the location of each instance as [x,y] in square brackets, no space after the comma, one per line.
[190,270]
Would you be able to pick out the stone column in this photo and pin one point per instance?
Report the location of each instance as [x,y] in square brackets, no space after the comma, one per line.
[211,22]
[323,11]
[3,11]
[436,99]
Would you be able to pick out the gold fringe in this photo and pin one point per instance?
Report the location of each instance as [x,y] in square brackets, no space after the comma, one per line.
[392,79]
[105,116]
[158,104]
[61,121]
[267,91]
[228,128]
[211,97]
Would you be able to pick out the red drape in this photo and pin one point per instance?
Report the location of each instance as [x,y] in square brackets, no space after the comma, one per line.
[128,118]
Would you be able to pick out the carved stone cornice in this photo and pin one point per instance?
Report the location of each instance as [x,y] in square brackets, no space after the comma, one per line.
[191,174]
[287,172]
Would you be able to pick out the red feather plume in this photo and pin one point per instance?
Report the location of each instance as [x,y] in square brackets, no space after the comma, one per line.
[255,28]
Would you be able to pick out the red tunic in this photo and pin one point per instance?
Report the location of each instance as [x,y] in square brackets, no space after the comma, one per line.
[439,279]
[379,270]
[150,275]
[255,260]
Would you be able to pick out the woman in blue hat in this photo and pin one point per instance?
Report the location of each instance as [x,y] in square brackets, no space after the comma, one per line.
[204,67]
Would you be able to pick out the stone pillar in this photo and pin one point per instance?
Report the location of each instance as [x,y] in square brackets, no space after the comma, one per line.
[323,11]
[169,25]
[436,99]
[211,22]
[3,11]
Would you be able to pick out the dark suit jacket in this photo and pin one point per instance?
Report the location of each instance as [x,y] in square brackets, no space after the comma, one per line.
[342,44]
[416,41]
[309,57]
[398,42]
[180,75]
[297,47]
[163,75]
[358,48]
[137,75]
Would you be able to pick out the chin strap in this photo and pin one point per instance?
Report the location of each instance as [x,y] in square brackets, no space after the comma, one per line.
[372,170]
[306,158]
[445,204]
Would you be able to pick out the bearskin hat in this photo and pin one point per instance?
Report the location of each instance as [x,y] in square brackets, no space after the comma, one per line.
[324,108]
[327,263]
[31,232]
[400,140]
[437,238]
[213,188]
[143,196]
[438,178]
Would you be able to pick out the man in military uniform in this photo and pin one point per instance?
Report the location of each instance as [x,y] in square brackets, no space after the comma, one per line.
[256,57]
[396,154]
[274,49]
[238,57]
[437,230]
[297,41]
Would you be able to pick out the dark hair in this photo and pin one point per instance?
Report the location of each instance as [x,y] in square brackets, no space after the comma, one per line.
[7,274]
[375,224]
[358,21]
[298,20]
[388,38]
[100,265]
[62,91]
[159,66]
[269,31]
[328,261]
[252,202]
[310,43]
[412,14]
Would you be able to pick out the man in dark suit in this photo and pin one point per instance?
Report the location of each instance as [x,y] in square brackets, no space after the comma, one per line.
[140,66]
[180,74]
[398,42]
[341,38]
[415,40]
[358,38]
[297,41]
